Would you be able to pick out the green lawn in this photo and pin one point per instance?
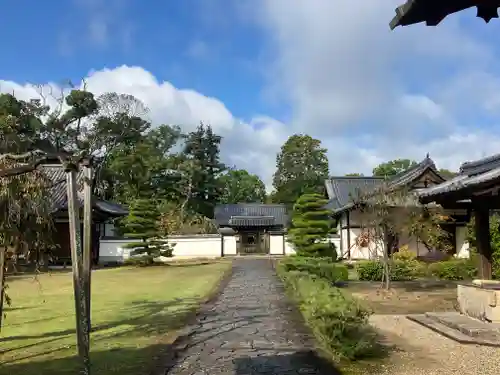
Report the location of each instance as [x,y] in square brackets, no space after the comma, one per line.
[135,315]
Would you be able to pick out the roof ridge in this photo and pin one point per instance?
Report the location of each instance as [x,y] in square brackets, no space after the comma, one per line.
[355,178]
[469,165]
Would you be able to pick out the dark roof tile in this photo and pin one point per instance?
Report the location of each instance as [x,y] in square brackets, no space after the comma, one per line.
[342,190]
[55,173]
[225,213]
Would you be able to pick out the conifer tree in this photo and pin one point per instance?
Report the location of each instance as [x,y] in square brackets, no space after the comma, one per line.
[311,226]
[142,225]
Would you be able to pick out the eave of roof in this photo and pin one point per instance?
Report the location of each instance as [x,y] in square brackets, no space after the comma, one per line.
[432,12]
[458,184]
[224,213]
[339,204]
[55,173]
[472,175]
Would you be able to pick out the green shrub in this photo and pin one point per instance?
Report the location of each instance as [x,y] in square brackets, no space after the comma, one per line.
[333,272]
[339,322]
[455,269]
[370,270]
[399,270]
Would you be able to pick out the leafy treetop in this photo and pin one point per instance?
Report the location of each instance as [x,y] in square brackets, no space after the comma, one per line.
[301,167]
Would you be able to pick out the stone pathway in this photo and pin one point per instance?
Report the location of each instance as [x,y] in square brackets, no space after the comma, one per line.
[250,329]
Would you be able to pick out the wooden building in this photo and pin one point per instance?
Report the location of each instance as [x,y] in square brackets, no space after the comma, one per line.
[103,212]
[476,188]
[354,225]
[432,12]
[257,228]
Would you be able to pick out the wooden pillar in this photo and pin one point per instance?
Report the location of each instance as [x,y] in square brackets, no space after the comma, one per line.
[482,230]
[3,255]
[80,292]
[87,236]
[348,225]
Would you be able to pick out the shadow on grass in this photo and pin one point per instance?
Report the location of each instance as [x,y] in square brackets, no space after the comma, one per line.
[143,312]
[153,321]
[131,361]
[124,361]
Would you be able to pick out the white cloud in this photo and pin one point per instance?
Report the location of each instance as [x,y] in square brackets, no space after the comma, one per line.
[371,94]
[250,145]
[368,93]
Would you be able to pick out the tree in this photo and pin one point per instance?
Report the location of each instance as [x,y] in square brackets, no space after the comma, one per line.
[301,167]
[311,227]
[388,214]
[144,168]
[25,221]
[239,186]
[446,173]
[393,167]
[142,224]
[30,141]
[202,148]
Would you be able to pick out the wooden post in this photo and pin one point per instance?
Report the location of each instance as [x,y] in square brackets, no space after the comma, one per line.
[82,333]
[348,224]
[482,229]
[87,236]
[3,251]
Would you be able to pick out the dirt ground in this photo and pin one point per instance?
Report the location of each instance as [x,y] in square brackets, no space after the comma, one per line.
[414,349]
[412,297]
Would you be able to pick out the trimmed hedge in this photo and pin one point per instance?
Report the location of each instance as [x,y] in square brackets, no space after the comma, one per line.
[454,269]
[373,270]
[338,321]
[320,267]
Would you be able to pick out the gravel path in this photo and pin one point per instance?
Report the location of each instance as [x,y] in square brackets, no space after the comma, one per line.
[422,351]
[250,329]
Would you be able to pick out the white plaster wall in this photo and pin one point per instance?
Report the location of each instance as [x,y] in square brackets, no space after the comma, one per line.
[276,244]
[462,243]
[376,250]
[200,246]
[230,245]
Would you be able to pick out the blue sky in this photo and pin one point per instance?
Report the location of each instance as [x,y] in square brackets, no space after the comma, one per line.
[261,70]
[67,39]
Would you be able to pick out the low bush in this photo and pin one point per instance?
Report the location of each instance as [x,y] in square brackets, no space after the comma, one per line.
[370,270]
[326,269]
[400,270]
[339,322]
[455,269]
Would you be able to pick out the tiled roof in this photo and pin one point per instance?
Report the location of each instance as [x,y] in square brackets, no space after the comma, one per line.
[55,173]
[480,166]
[342,191]
[474,174]
[236,214]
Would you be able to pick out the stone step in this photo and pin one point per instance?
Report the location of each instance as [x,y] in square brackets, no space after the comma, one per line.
[451,333]
[467,325]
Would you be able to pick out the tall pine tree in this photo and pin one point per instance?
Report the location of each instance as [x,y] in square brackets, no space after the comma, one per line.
[142,225]
[202,147]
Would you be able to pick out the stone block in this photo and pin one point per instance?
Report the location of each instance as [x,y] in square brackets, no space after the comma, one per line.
[480,301]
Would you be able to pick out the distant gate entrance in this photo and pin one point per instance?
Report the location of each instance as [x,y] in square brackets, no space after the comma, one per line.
[253,242]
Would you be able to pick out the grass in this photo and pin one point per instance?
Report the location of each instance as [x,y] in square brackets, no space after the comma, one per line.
[136,313]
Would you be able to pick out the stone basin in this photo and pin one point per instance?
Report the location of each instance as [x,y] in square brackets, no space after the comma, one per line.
[480,300]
